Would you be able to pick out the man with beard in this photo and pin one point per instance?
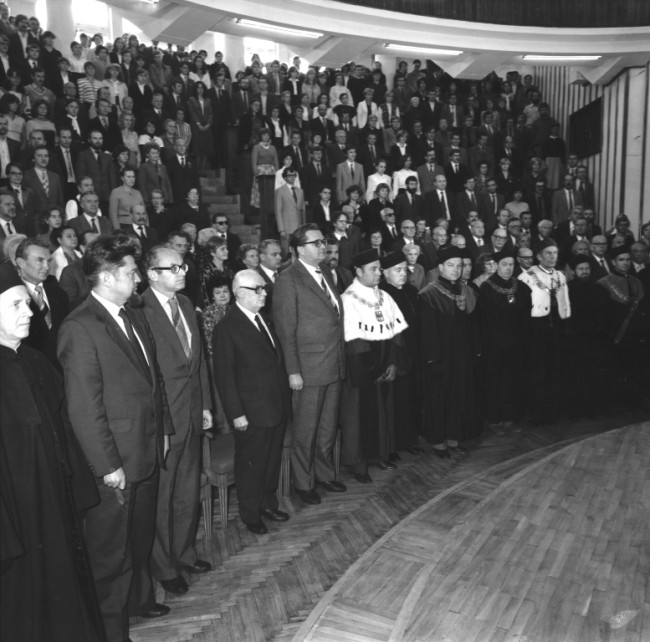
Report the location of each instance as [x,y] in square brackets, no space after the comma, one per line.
[448,351]
[503,311]
[549,311]
[406,387]
[375,353]
[588,347]
[340,275]
[45,584]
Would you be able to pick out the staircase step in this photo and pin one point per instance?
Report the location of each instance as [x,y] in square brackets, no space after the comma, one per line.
[223,208]
[225,199]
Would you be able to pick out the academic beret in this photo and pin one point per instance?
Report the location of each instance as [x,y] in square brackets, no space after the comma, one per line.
[575,260]
[617,251]
[391,260]
[8,277]
[504,254]
[363,258]
[547,242]
[449,252]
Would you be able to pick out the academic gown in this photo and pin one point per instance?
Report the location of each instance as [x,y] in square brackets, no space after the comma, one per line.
[449,345]
[503,314]
[46,584]
[406,387]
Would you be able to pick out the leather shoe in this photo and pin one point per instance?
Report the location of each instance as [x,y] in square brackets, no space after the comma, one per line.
[363,478]
[258,528]
[415,450]
[394,457]
[332,486]
[199,566]
[157,610]
[460,450]
[177,585]
[275,515]
[308,496]
[386,465]
[443,454]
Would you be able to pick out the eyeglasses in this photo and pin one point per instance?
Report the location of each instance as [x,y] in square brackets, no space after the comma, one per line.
[499,236]
[174,269]
[222,222]
[258,289]
[317,243]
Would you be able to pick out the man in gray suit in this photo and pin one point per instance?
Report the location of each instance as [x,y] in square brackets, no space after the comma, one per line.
[308,315]
[184,370]
[289,207]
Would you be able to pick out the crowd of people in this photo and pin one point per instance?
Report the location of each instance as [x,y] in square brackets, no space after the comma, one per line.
[432,266]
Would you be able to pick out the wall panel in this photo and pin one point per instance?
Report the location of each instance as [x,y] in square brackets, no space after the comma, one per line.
[621,172]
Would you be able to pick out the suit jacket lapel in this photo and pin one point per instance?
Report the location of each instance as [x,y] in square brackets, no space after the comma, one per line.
[310,282]
[117,335]
[164,325]
[255,335]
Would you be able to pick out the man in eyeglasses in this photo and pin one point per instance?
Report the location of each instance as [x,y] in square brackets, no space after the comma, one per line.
[252,383]
[308,315]
[179,351]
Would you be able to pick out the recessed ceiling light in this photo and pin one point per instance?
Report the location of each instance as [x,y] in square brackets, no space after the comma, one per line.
[427,50]
[285,30]
[560,58]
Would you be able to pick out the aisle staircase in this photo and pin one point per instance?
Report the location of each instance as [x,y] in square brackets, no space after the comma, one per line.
[215,195]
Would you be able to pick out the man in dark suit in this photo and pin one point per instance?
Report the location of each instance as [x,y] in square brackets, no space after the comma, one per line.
[388,229]
[539,202]
[315,176]
[182,172]
[564,200]
[138,227]
[24,215]
[490,203]
[106,123]
[439,203]
[321,125]
[13,146]
[336,151]
[44,183]
[296,151]
[340,275]
[141,92]
[221,115]
[63,161]
[183,366]
[118,410]
[270,254]
[466,201]
[49,302]
[75,121]
[481,153]
[456,173]
[88,220]
[233,242]
[252,383]
[307,311]
[368,155]
[322,212]
[21,39]
[98,165]
[175,99]
[154,113]
[408,204]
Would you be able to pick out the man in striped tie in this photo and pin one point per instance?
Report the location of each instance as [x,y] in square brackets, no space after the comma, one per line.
[182,362]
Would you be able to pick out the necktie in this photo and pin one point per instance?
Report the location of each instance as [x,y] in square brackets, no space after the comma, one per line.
[352,171]
[10,230]
[479,242]
[68,166]
[473,199]
[455,168]
[275,276]
[493,198]
[318,169]
[570,200]
[295,196]
[325,289]
[245,96]
[431,169]
[141,233]
[133,341]
[93,224]
[42,306]
[443,200]
[46,183]
[263,330]
[19,195]
[372,153]
[182,161]
[75,126]
[104,122]
[179,327]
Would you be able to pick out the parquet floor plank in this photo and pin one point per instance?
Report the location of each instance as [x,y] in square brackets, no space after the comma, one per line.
[500,518]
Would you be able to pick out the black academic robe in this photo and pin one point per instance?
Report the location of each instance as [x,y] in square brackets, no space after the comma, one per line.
[504,315]
[407,384]
[46,585]
[449,345]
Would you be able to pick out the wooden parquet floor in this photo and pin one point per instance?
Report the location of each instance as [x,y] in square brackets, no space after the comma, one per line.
[468,536]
